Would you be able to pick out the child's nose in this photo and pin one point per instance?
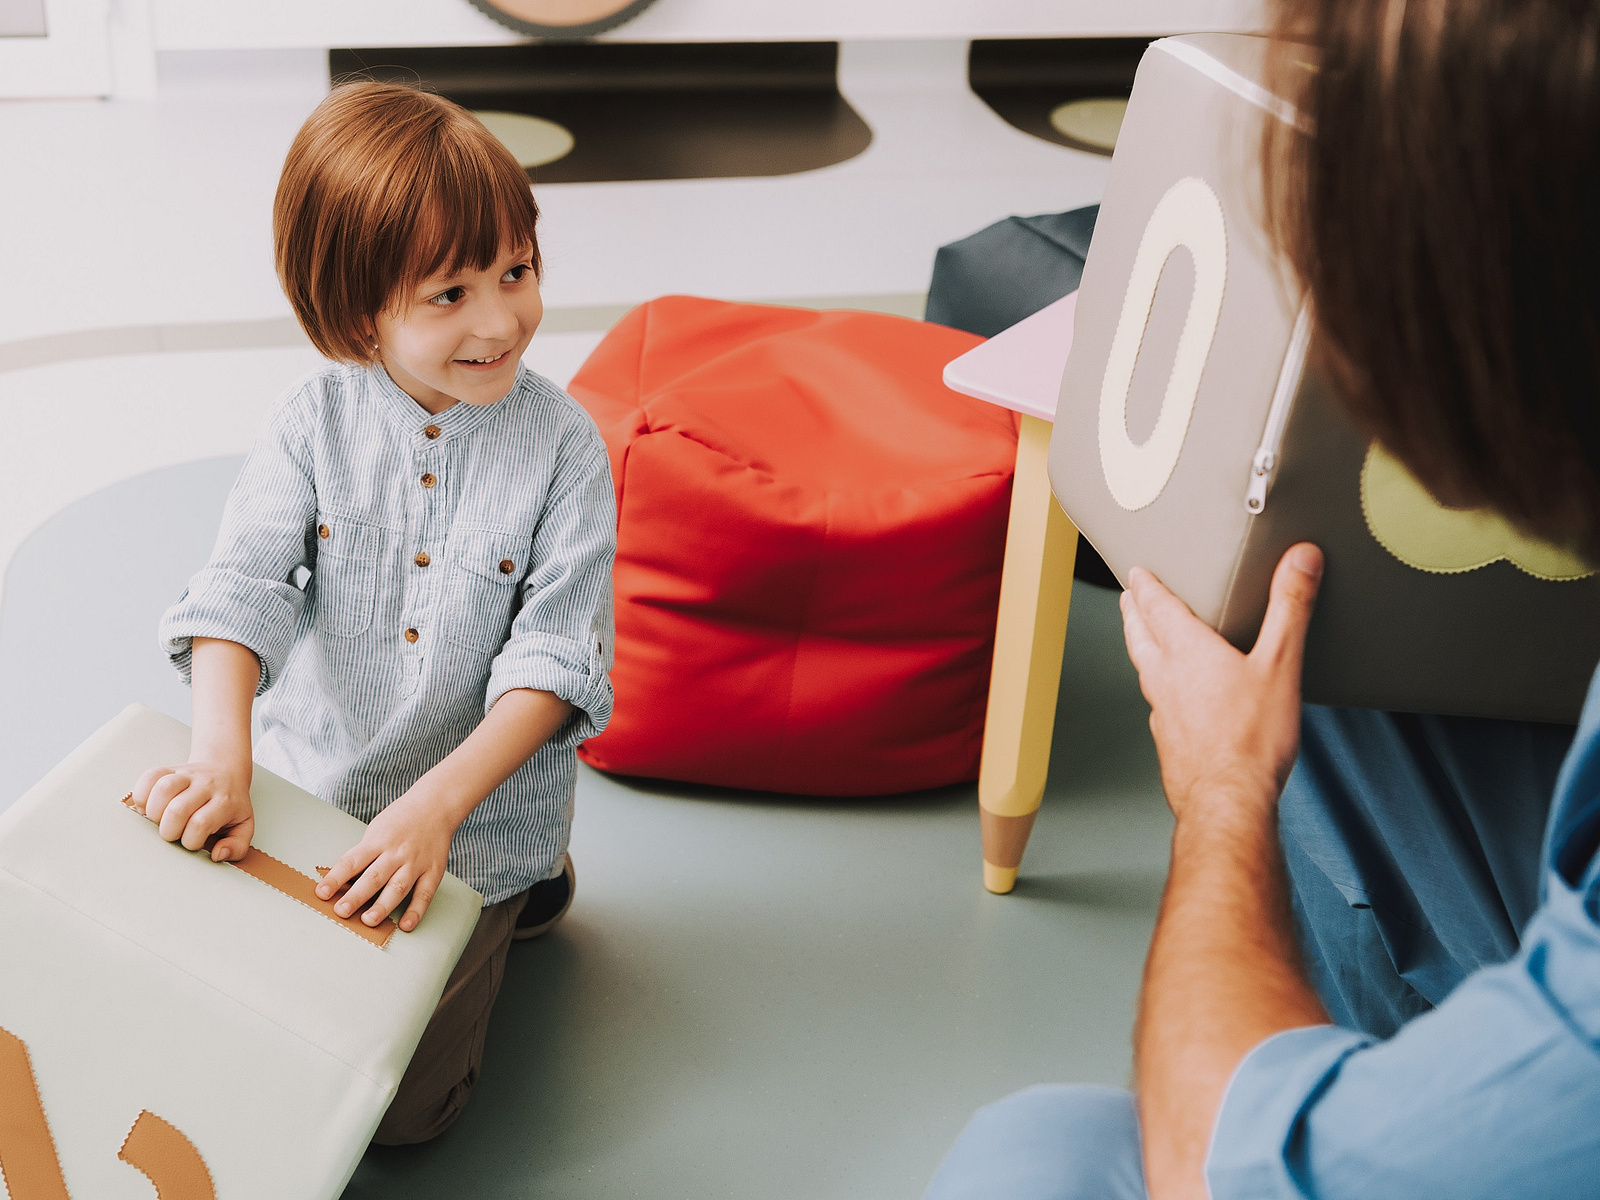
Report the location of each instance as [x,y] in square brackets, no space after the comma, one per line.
[496,320]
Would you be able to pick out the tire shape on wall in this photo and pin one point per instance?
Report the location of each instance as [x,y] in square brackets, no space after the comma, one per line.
[532,17]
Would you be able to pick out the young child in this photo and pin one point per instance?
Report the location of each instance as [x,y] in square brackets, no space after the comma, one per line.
[454,514]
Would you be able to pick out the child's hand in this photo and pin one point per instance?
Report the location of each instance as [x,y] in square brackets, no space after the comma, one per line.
[404,850]
[199,800]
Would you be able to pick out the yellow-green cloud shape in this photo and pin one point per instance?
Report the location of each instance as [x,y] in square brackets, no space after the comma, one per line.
[1422,533]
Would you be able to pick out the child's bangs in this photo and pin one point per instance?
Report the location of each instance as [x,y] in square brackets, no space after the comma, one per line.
[478,208]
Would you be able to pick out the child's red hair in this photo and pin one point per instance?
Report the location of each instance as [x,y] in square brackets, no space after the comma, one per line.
[384,186]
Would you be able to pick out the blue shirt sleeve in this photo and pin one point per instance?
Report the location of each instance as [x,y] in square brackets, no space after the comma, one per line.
[561,639]
[246,593]
[1495,1093]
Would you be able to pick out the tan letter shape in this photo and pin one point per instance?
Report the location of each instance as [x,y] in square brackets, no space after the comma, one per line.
[27,1153]
[28,1160]
[168,1158]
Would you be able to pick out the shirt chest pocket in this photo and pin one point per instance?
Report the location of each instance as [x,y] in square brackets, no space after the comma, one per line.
[345,580]
[486,567]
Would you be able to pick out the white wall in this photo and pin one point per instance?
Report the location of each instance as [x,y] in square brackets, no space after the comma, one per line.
[234,24]
[108,47]
[72,59]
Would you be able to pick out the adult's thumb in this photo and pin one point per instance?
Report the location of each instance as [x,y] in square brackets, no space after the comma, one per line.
[1294,593]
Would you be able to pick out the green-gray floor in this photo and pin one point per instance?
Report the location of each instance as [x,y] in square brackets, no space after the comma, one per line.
[777,999]
[754,997]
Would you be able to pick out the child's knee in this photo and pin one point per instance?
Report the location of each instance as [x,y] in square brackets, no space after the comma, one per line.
[421,1116]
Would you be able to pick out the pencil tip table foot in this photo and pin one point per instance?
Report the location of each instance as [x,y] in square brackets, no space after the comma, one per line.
[1020,369]
[999,880]
[1004,840]
[1030,634]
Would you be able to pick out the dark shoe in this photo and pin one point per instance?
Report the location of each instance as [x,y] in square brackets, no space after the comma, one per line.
[548,902]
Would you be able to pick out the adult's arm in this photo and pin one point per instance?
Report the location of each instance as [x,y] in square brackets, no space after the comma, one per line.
[1495,1093]
[1223,974]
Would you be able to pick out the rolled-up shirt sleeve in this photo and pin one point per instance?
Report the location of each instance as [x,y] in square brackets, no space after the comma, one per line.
[560,641]
[1495,1093]
[247,593]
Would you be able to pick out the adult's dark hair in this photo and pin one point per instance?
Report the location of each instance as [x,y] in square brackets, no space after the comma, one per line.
[1441,204]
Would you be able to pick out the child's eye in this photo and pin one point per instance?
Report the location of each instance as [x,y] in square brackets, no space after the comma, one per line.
[515,274]
[448,297]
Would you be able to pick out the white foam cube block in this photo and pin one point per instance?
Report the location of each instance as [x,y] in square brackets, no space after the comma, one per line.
[141,976]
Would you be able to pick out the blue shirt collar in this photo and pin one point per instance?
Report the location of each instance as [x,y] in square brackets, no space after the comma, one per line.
[459,420]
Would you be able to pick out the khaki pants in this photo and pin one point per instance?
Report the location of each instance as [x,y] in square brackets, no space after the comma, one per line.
[443,1071]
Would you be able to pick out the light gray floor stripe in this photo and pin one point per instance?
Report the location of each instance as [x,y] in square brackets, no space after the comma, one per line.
[285,331]
[149,339]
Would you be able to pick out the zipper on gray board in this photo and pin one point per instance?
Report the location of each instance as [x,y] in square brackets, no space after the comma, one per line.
[1266,459]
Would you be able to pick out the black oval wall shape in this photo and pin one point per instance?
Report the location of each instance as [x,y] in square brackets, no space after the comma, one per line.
[646,110]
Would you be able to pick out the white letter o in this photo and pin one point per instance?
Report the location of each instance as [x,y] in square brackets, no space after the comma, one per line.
[1189,215]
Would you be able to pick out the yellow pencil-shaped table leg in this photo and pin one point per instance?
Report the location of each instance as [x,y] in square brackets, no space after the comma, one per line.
[1035,595]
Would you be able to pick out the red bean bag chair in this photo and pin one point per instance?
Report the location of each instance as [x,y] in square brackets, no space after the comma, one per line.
[810,532]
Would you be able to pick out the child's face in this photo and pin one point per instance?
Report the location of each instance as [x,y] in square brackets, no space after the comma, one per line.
[460,336]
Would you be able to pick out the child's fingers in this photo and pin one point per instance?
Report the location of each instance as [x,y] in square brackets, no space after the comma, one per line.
[167,786]
[175,816]
[421,897]
[231,847]
[141,790]
[394,892]
[365,888]
[206,820]
[351,863]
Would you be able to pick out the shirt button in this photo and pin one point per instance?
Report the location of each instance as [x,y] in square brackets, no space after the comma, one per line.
[428,480]
[431,432]
[412,635]
[507,566]
[422,558]
[323,531]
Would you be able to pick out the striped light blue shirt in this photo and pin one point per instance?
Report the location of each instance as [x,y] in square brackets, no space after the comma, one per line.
[396,573]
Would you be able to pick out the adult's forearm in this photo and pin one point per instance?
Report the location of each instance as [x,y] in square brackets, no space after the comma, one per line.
[1223,974]
[223,680]
[511,733]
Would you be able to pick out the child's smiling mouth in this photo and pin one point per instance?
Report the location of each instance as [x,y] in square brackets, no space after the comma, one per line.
[483,364]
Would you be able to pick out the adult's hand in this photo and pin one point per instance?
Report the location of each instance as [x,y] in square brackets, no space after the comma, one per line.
[1226,724]
[1223,972]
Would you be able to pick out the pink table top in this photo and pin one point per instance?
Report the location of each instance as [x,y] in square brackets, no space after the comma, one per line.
[1020,368]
